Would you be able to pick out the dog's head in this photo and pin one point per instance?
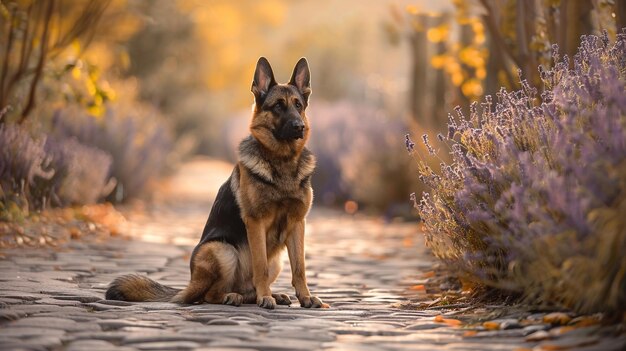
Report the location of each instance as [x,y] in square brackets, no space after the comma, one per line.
[279,109]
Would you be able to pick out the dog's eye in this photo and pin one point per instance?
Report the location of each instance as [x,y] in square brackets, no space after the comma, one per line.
[278,106]
[298,104]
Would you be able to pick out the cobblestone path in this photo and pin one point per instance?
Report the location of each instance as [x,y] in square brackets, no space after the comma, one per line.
[52,299]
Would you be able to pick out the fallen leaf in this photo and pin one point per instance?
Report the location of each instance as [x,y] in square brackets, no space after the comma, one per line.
[558,318]
[470,333]
[419,287]
[491,325]
[439,319]
[428,274]
[452,322]
[538,336]
[407,242]
[561,330]
[585,321]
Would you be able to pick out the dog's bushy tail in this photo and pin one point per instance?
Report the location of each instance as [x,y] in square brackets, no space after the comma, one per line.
[138,288]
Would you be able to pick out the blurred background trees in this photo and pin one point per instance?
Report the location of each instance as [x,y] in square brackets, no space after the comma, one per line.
[481,45]
[150,82]
[34,34]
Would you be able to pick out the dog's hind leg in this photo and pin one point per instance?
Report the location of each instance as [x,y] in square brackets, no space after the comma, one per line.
[212,274]
[234,299]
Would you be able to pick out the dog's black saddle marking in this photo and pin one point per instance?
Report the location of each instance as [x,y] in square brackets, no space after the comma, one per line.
[225,223]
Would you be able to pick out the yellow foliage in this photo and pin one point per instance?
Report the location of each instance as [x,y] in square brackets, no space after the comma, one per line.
[462,21]
[96,111]
[481,73]
[100,55]
[479,31]
[471,56]
[479,38]
[438,34]
[108,91]
[76,73]
[457,78]
[464,60]
[90,85]
[452,66]
[472,88]
[438,61]
[75,47]
[412,10]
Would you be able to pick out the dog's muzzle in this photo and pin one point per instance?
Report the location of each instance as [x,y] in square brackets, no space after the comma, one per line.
[294,129]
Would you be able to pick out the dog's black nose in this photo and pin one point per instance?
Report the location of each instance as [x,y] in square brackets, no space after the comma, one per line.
[297,125]
[293,129]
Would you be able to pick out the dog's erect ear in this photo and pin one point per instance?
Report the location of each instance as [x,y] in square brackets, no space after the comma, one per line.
[301,78]
[263,80]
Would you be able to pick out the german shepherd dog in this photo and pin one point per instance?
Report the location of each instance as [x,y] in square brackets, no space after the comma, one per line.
[258,211]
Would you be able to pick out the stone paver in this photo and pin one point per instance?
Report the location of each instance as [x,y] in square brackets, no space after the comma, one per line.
[51,299]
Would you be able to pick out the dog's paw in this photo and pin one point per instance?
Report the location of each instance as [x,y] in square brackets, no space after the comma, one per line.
[310,302]
[233,299]
[266,302]
[282,299]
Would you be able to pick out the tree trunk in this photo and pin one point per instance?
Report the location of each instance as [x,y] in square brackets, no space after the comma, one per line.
[525,30]
[419,45]
[438,116]
[465,40]
[575,20]
[499,55]
[620,15]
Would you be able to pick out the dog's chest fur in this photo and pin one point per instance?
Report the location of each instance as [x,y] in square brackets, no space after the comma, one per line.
[285,175]
[282,187]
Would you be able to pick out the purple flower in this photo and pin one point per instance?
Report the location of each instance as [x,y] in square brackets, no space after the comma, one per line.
[410,145]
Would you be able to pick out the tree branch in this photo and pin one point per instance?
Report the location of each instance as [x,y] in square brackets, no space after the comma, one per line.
[500,44]
[40,64]
[24,52]
[7,56]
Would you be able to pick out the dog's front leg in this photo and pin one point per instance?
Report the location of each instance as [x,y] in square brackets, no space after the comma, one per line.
[260,271]
[295,249]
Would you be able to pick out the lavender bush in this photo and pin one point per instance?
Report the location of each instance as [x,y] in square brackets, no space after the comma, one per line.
[534,200]
[38,171]
[354,146]
[137,140]
[81,173]
[81,161]
[23,160]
